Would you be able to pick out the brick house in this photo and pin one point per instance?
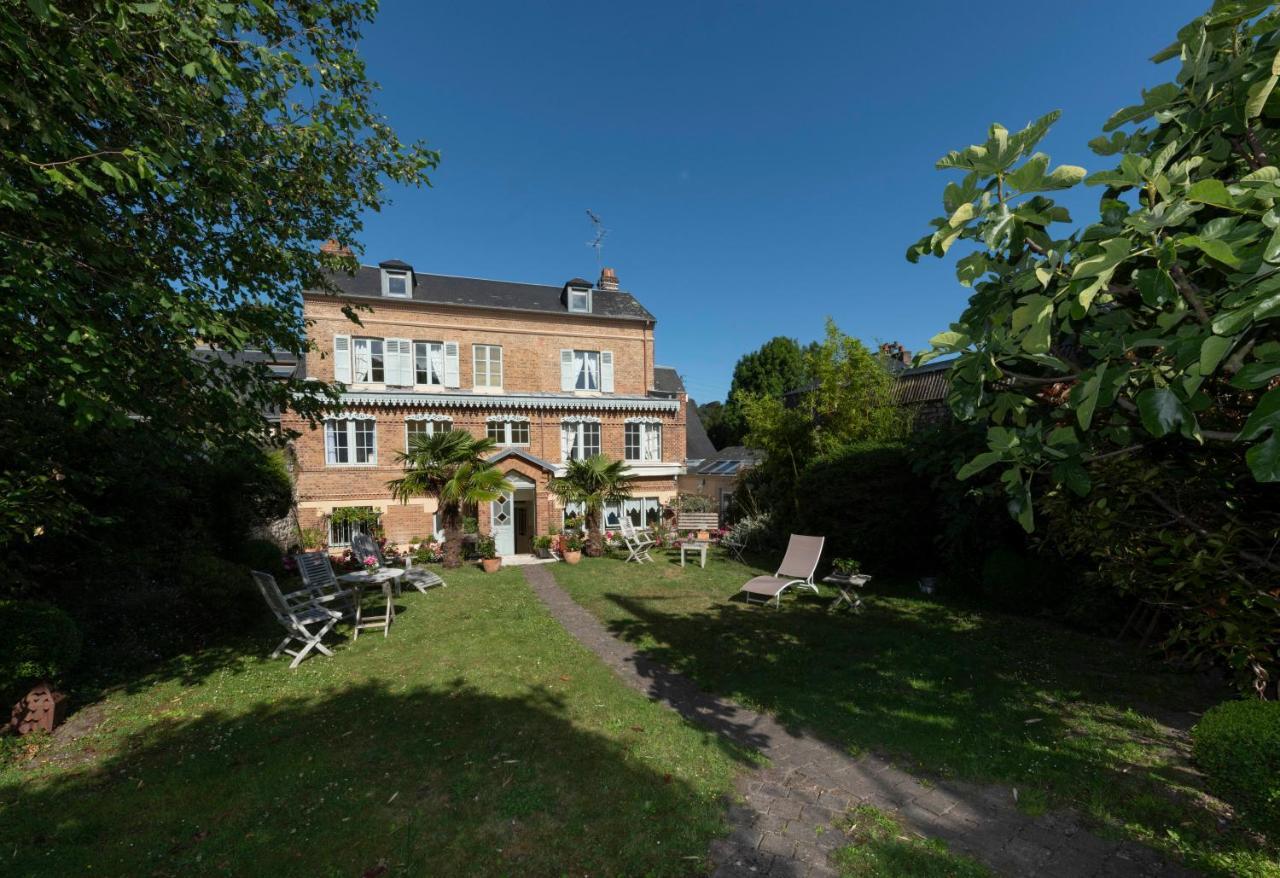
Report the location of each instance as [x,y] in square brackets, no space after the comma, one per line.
[551,373]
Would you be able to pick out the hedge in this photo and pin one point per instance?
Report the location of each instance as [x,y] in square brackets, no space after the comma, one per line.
[1237,743]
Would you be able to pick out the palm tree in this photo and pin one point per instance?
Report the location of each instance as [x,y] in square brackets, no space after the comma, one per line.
[593,483]
[451,466]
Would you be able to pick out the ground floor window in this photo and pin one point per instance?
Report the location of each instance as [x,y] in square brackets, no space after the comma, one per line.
[341,532]
[640,511]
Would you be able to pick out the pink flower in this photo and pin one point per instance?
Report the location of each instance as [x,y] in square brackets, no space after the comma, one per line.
[370,561]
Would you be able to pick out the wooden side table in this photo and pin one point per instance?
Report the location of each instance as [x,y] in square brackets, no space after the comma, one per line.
[694,546]
[846,585]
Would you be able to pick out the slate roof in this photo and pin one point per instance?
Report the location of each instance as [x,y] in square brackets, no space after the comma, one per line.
[667,380]
[697,445]
[474,292]
[927,383]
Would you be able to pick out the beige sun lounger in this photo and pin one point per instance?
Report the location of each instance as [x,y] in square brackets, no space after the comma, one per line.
[797,569]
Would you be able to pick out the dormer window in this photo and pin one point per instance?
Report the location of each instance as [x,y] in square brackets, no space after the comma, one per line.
[395,283]
[578,299]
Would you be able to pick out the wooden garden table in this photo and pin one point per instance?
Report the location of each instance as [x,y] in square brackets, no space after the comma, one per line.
[699,546]
[361,579]
[846,584]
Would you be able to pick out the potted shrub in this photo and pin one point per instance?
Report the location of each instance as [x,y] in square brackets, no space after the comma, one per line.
[571,545]
[488,552]
[848,570]
[542,545]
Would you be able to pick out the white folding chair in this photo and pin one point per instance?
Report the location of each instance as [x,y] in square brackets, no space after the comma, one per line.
[305,618]
[317,575]
[637,542]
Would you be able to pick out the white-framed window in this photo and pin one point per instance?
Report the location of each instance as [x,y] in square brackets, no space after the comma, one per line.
[396,283]
[424,427]
[486,363]
[341,532]
[580,300]
[642,511]
[579,439]
[509,431]
[428,362]
[642,440]
[586,370]
[610,514]
[350,442]
[367,361]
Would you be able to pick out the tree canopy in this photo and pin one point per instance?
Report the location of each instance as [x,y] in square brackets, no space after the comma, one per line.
[169,170]
[773,369]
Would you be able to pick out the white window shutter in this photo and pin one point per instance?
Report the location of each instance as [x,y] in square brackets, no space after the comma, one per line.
[401,368]
[342,359]
[451,378]
[568,377]
[391,361]
[606,371]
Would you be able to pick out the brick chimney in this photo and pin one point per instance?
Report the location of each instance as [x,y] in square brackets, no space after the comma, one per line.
[334,248]
[892,350]
[608,279]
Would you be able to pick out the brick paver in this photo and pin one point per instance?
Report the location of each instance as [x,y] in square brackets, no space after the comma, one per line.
[788,818]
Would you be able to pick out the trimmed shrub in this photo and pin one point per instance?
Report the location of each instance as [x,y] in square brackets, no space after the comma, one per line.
[40,642]
[870,505]
[1237,743]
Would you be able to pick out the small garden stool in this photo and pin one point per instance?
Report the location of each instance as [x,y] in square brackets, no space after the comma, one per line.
[385,577]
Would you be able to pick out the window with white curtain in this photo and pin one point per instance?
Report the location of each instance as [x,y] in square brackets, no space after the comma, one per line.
[428,362]
[350,441]
[586,370]
[642,511]
[367,360]
[487,365]
[579,440]
[642,440]
[423,428]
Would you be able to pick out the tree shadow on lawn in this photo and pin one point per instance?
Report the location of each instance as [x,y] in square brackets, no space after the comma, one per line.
[443,781]
[949,691]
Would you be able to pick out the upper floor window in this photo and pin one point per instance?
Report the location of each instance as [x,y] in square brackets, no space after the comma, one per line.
[428,362]
[367,361]
[579,439]
[424,427]
[642,440]
[579,299]
[350,441]
[396,283]
[586,370]
[509,431]
[486,365]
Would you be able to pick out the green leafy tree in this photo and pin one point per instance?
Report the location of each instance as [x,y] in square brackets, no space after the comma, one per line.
[849,398]
[593,482]
[167,171]
[453,467]
[778,366]
[1150,333]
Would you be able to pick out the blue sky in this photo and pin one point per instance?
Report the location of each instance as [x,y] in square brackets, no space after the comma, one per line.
[760,165]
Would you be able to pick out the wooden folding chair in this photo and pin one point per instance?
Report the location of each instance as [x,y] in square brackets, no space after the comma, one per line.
[637,542]
[304,617]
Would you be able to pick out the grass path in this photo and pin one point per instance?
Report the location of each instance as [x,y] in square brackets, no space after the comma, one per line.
[479,739]
[1066,719]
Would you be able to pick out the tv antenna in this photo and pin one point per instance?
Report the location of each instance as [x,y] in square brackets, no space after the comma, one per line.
[599,234]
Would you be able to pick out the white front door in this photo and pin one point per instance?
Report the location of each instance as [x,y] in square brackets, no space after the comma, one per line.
[504,532]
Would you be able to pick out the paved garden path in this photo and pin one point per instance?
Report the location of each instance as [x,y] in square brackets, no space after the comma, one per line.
[787,820]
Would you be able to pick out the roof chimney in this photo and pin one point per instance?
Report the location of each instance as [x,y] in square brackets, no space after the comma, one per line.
[334,248]
[896,352]
[608,279]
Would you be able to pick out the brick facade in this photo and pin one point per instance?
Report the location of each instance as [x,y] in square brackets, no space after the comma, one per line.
[531,389]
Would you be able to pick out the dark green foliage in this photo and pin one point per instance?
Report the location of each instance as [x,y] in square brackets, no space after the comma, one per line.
[243,487]
[264,555]
[770,371]
[167,173]
[38,642]
[865,499]
[1238,744]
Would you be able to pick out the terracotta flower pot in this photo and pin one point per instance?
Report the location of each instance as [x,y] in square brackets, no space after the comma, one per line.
[572,556]
[704,535]
[491,565]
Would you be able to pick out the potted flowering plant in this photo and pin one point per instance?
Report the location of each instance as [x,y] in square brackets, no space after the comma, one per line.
[487,549]
[571,545]
[370,563]
[848,570]
[542,545]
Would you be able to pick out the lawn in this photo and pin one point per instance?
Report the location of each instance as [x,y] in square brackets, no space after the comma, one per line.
[479,739]
[945,689]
